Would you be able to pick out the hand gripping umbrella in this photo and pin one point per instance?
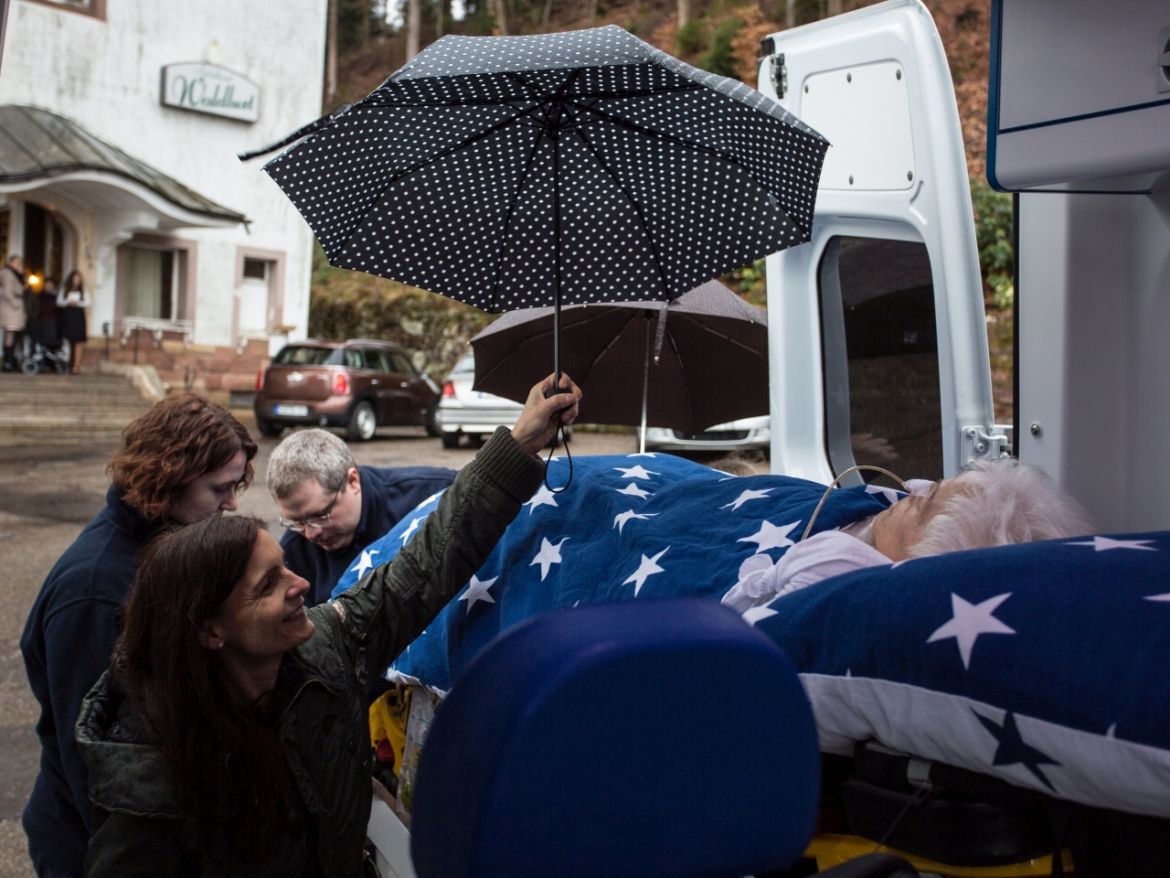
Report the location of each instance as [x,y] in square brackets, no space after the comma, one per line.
[702,358]
[579,167]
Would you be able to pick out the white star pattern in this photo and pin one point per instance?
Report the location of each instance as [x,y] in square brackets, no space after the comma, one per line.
[635,472]
[619,521]
[647,568]
[542,497]
[1104,544]
[969,621]
[365,563]
[889,493]
[634,491]
[410,529]
[758,614]
[749,494]
[771,537]
[548,555]
[477,590]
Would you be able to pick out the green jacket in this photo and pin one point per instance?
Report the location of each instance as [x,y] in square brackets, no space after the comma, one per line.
[137,824]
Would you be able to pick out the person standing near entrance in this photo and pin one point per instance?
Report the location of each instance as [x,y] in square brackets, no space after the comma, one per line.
[73,300]
[184,460]
[12,312]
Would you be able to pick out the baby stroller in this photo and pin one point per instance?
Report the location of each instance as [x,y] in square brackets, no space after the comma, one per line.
[44,359]
[45,351]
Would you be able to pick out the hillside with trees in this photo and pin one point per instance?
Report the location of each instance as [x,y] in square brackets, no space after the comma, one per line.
[722,36]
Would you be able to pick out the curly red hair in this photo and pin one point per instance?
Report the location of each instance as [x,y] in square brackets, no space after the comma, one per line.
[182,437]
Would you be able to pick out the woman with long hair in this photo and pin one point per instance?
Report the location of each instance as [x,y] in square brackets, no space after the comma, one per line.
[230,735]
[73,300]
[184,460]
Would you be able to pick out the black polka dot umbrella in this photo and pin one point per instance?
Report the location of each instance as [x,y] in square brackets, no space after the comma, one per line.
[579,167]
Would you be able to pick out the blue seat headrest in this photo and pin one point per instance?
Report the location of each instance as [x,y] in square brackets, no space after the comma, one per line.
[636,739]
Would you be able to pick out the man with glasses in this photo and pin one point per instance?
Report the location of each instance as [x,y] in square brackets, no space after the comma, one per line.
[331,508]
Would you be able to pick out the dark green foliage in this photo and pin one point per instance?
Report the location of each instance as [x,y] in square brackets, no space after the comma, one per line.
[718,58]
[993,234]
[749,282]
[690,37]
[349,304]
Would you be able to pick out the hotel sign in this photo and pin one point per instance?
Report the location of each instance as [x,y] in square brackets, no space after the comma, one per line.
[205,88]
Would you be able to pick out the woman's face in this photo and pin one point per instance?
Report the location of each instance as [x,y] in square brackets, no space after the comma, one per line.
[210,493]
[264,616]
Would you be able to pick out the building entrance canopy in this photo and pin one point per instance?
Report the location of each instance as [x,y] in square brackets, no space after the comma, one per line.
[41,150]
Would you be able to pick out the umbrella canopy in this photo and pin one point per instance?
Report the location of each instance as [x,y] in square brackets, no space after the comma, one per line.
[698,360]
[580,167]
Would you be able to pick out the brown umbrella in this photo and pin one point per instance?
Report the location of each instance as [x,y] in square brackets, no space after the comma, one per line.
[698,360]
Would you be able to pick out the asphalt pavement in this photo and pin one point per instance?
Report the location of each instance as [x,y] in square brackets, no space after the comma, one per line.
[49,492]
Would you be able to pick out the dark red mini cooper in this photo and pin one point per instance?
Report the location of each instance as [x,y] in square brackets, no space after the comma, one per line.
[360,384]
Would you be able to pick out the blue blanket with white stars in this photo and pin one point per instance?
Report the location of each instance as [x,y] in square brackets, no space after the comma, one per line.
[1041,664]
[628,528]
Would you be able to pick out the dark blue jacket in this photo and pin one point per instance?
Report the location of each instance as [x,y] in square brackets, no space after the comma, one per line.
[387,494]
[66,645]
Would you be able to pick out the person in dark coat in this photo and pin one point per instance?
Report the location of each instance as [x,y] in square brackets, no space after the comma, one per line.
[186,459]
[332,508]
[73,300]
[43,327]
[230,735]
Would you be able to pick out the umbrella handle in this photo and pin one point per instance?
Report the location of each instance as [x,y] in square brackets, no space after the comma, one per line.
[552,447]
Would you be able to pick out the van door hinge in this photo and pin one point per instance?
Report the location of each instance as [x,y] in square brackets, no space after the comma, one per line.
[779,74]
[981,443]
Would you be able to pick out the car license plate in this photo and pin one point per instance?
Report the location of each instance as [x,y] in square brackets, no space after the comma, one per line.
[291,411]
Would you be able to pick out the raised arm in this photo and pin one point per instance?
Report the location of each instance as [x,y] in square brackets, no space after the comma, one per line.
[394,603]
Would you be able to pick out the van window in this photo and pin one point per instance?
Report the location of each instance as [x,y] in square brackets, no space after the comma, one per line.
[882,400]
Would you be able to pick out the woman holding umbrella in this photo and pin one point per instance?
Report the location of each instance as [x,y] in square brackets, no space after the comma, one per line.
[229,735]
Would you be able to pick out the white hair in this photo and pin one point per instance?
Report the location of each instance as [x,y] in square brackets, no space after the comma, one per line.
[308,454]
[1001,502]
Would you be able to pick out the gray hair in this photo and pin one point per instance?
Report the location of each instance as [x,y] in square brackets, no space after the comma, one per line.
[308,454]
[1002,502]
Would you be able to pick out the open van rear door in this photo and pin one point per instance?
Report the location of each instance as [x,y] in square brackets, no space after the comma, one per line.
[877,334]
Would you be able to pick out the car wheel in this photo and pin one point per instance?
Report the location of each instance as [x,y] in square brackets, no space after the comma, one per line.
[267,427]
[429,422]
[362,423]
[450,440]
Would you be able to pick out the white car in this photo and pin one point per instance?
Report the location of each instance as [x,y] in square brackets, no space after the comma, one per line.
[745,434]
[472,413]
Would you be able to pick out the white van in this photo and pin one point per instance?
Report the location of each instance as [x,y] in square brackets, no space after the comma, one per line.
[877,326]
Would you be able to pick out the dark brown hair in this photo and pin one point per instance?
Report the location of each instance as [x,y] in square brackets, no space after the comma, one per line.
[69,281]
[181,438]
[225,758]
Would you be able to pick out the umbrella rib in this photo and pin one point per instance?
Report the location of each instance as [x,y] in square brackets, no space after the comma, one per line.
[512,212]
[721,335]
[633,203]
[672,138]
[456,147]
[601,96]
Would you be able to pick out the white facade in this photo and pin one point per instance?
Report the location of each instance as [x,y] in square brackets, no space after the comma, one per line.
[103,68]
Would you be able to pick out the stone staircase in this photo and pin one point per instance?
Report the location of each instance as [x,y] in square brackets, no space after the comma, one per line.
[61,409]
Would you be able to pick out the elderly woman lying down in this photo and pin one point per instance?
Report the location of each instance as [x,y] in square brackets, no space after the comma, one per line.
[648,526]
[991,503]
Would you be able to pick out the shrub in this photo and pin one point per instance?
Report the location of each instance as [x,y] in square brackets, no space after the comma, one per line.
[993,235]
[719,57]
[690,37]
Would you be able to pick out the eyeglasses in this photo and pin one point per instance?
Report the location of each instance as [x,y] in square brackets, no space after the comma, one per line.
[319,520]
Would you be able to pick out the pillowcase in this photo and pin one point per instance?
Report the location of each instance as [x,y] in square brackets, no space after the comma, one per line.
[1043,664]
